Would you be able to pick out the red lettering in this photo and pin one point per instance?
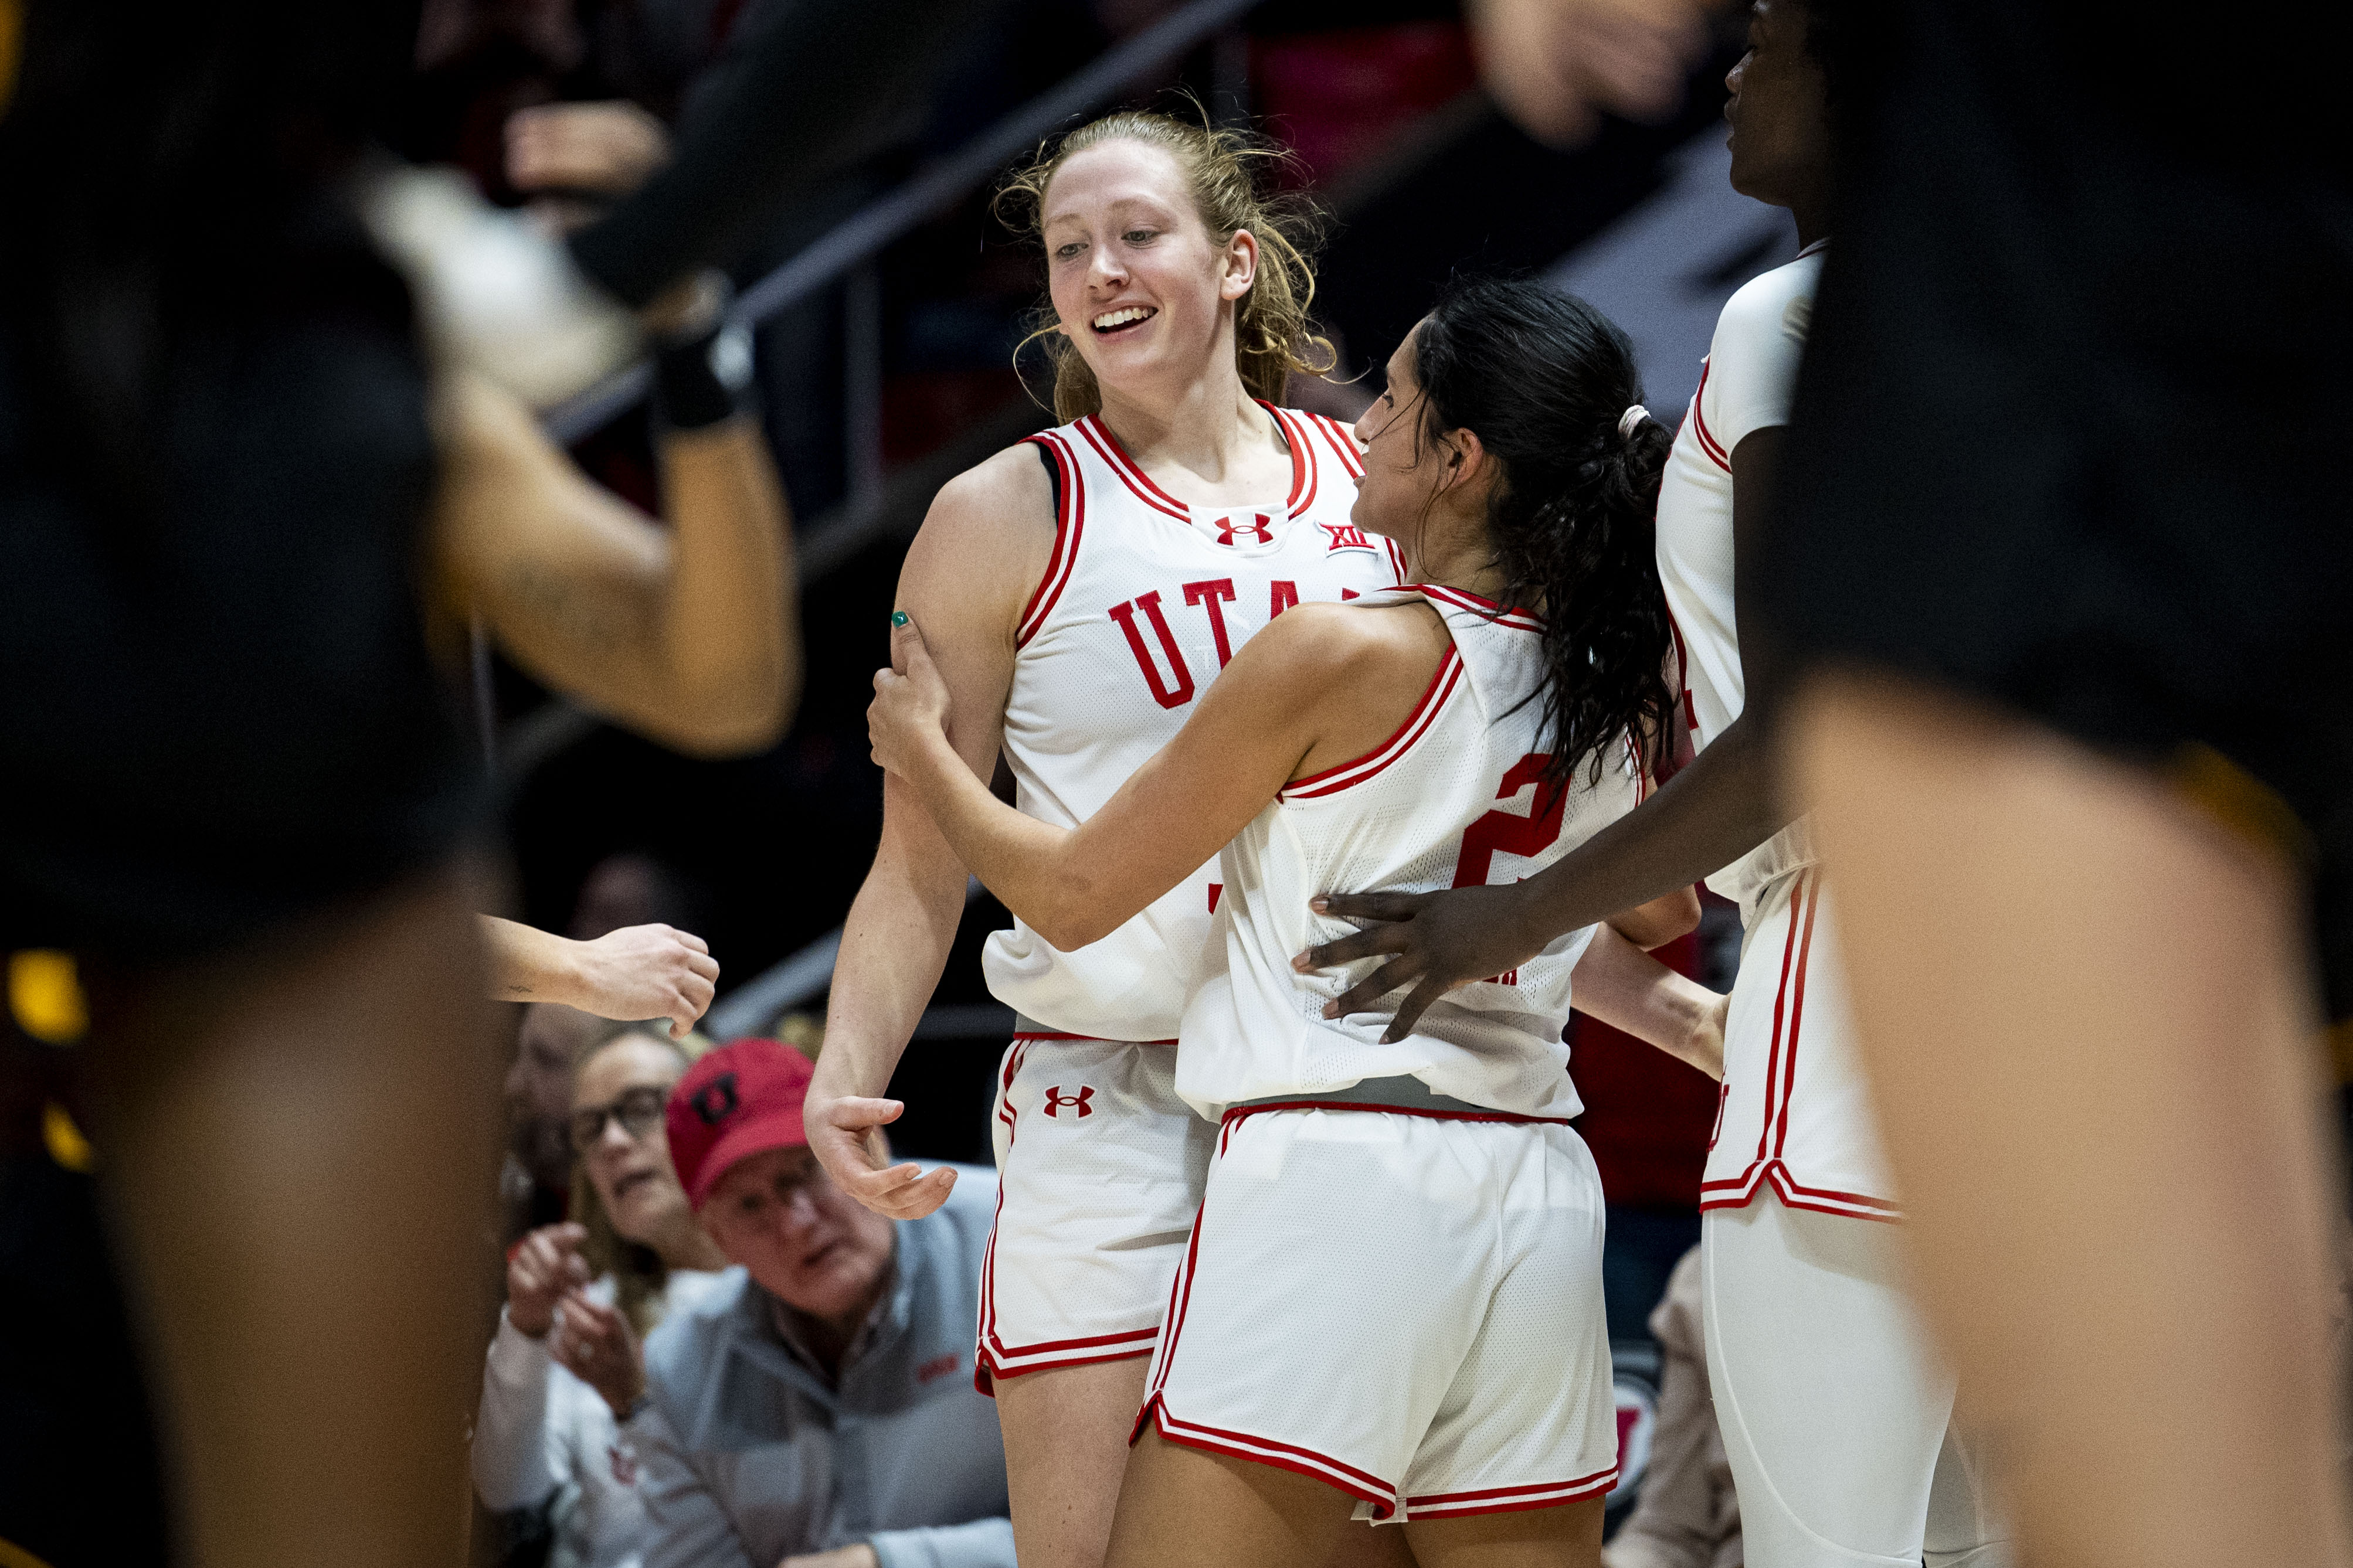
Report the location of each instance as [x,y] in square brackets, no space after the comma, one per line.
[1507,832]
[1165,696]
[1281,597]
[1207,596]
[1215,889]
[1349,593]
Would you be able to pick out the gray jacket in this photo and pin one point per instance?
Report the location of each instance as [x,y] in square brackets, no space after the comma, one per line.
[751,1458]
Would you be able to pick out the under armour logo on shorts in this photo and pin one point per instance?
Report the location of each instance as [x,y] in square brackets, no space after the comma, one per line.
[716,1101]
[1056,1099]
[1256,527]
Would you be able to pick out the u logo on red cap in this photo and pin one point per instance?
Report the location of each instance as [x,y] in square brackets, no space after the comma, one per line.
[715,1101]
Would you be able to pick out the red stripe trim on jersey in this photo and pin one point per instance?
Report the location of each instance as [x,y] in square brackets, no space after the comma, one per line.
[1425,713]
[1304,477]
[1780,1007]
[1707,441]
[1795,1195]
[1291,1456]
[1397,559]
[1318,1102]
[1797,1013]
[1344,442]
[1741,1191]
[1517,619]
[1099,436]
[1683,673]
[1511,1499]
[1070,523]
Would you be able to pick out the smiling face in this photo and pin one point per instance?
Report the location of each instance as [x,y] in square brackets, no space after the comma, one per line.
[1780,138]
[805,1241]
[1142,288]
[632,1172]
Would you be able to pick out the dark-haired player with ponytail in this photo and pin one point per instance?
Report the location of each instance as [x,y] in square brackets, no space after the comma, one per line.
[1836,1416]
[1390,1305]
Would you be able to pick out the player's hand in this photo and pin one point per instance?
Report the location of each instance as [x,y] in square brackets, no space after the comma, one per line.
[1556,65]
[909,714]
[1434,942]
[595,1344]
[647,972]
[845,1130]
[607,148]
[544,1267]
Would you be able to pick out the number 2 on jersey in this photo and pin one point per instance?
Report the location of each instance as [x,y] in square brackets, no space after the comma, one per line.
[1508,833]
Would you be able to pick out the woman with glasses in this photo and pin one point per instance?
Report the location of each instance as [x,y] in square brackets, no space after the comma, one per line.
[566,1371]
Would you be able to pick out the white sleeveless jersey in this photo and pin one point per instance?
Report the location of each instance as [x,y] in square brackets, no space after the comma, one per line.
[1453,799]
[1744,385]
[1143,600]
[1792,1114]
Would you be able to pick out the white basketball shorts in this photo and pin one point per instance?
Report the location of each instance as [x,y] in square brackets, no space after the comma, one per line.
[1405,1306]
[1836,1414]
[1098,1172]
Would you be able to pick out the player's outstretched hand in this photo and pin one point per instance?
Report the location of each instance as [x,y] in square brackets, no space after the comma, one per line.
[647,972]
[595,1344]
[543,1269]
[606,147]
[909,714]
[845,1131]
[1556,65]
[1434,942]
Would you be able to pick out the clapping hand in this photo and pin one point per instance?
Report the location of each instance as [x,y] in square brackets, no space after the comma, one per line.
[544,1267]
[595,1344]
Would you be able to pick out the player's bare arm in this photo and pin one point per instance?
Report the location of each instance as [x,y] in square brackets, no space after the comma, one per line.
[1320,685]
[970,571]
[688,635]
[1716,810]
[638,972]
[1626,988]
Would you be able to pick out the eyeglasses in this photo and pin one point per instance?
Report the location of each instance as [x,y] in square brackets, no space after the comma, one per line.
[640,1112]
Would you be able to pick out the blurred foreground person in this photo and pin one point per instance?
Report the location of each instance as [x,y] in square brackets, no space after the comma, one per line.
[565,1370]
[2072,605]
[817,1410]
[243,520]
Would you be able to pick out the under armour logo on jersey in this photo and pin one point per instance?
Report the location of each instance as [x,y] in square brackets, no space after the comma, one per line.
[1056,1099]
[1347,536]
[1256,527]
[716,1100]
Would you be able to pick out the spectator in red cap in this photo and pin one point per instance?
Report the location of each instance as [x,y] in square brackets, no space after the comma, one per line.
[817,1410]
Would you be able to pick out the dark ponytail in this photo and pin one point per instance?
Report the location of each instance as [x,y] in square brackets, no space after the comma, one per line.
[1545,379]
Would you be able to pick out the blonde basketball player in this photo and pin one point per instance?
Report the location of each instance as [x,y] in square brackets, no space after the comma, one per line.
[1391,1308]
[1081,590]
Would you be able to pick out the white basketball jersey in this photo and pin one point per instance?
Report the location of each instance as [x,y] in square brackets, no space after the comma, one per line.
[1453,799]
[1143,600]
[1792,1114]
[1744,385]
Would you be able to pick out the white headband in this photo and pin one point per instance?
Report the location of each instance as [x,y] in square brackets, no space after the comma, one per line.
[1631,418]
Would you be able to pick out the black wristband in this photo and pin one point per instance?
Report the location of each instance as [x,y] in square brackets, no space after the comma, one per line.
[703,380]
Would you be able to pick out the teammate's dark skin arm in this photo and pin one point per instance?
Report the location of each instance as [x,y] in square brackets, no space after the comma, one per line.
[1725,804]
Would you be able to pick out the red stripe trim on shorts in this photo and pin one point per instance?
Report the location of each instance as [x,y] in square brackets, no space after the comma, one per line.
[1511,1499]
[1290,1457]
